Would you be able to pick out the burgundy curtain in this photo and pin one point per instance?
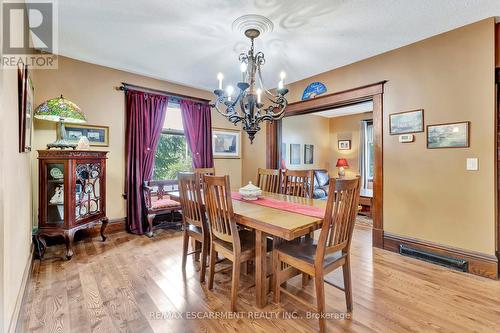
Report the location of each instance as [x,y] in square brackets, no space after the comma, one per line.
[145,117]
[197,121]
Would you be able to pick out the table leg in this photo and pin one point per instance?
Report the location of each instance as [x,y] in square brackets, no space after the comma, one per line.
[260,269]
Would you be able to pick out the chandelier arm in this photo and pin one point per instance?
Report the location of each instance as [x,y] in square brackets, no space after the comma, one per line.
[230,115]
[261,81]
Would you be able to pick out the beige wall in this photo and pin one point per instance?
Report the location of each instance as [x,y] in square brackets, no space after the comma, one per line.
[428,194]
[298,130]
[15,200]
[92,87]
[346,128]
[254,155]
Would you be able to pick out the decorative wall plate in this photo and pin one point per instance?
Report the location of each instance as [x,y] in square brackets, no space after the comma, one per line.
[314,89]
[56,173]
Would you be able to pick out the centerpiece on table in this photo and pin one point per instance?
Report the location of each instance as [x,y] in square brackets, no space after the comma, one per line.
[250,192]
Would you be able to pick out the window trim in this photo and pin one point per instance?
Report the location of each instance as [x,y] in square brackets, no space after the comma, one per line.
[366,150]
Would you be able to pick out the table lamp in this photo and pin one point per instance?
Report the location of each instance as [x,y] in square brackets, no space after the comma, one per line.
[62,111]
[341,164]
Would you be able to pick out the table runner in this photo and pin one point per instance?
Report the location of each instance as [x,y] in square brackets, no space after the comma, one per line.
[283,205]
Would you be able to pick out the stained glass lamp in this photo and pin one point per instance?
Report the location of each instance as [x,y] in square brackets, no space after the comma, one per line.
[62,111]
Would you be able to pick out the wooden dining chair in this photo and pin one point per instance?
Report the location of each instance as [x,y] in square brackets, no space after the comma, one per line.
[236,245]
[299,183]
[269,180]
[330,252]
[205,171]
[194,219]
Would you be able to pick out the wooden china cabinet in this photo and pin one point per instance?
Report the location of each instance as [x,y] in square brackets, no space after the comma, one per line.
[72,194]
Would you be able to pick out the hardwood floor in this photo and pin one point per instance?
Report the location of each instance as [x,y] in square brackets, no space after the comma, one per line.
[132,284]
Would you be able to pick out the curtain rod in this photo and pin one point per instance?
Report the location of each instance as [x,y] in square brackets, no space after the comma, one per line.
[127,86]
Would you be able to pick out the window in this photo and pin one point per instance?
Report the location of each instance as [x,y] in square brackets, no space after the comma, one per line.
[172,155]
[369,150]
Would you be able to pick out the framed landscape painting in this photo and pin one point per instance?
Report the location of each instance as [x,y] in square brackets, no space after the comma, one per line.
[406,122]
[283,155]
[294,153]
[226,143]
[97,135]
[451,135]
[308,154]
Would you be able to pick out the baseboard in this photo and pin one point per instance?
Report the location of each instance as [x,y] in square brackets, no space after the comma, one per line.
[479,263]
[114,225]
[23,292]
[378,238]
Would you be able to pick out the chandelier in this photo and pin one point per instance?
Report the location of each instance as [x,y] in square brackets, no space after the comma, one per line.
[247,107]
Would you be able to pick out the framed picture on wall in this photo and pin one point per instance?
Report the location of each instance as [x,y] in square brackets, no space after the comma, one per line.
[344,144]
[294,153]
[26,99]
[226,143]
[308,154]
[450,135]
[283,156]
[406,122]
[97,135]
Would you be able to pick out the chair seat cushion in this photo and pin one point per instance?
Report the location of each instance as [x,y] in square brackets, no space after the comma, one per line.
[164,203]
[247,241]
[306,250]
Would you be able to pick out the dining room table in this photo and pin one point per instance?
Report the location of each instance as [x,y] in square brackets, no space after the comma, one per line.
[280,216]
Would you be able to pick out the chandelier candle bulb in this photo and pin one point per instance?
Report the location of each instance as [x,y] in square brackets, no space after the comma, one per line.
[259,92]
[229,91]
[280,84]
[220,77]
[282,76]
[243,67]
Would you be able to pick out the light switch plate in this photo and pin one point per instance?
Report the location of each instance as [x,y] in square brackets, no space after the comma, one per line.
[472,164]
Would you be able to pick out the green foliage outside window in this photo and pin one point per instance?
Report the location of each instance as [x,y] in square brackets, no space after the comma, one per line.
[172,156]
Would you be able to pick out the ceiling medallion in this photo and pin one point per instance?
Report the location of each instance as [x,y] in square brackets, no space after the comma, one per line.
[247,107]
[253,21]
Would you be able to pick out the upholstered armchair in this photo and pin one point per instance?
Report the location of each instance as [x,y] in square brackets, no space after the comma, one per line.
[157,200]
[321,184]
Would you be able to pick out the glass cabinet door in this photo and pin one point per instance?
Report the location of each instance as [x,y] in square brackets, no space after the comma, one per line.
[55,194]
[87,190]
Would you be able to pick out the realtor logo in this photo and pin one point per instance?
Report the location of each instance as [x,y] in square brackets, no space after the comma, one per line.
[29,34]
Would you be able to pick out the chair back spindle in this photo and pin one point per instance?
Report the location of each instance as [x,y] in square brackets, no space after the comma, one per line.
[201,172]
[299,183]
[269,180]
[193,211]
[340,216]
[220,210]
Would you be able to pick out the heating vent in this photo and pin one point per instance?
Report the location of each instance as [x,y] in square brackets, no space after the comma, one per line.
[454,263]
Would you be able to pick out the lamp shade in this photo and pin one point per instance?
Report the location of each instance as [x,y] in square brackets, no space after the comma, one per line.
[60,109]
[342,162]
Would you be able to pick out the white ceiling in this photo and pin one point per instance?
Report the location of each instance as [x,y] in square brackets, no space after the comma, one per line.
[346,110]
[190,41]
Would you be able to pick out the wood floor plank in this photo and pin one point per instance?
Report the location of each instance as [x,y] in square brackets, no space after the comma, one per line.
[135,284]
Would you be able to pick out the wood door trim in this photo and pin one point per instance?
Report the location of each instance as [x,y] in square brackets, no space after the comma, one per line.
[346,97]
[369,92]
[496,159]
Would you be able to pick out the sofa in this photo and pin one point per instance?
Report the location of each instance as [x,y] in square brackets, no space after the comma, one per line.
[321,183]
